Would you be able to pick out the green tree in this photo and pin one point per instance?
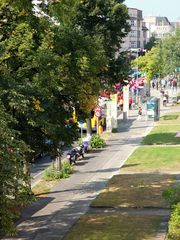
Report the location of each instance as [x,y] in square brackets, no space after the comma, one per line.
[12,178]
[163,59]
[51,62]
[89,35]
[150,63]
[170,51]
[151,43]
[32,96]
[107,19]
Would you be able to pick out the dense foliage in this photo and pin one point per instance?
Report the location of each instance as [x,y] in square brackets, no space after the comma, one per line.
[172,195]
[174,223]
[108,20]
[13,180]
[50,174]
[54,57]
[151,43]
[163,59]
[97,142]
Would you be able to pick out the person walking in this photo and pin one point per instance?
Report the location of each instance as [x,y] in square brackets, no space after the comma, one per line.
[130,103]
[164,101]
[153,84]
[167,96]
[157,85]
[139,113]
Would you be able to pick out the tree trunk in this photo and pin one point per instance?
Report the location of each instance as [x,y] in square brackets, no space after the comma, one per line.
[89,127]
[58,163]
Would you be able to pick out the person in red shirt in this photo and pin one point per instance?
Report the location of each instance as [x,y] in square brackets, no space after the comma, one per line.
[120,102]
[130,103]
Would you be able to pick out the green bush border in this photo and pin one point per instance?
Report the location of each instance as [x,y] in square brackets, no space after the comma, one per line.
[51,174]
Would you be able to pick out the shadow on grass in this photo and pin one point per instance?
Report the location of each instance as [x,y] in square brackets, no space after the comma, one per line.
[129,165]
[170,117]
[114,227]
[50,216]
[141,190]
[161,138]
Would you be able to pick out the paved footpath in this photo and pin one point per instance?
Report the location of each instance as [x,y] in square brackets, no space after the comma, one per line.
[51,217]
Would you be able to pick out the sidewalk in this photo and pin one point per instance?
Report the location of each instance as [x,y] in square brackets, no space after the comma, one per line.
[52,216]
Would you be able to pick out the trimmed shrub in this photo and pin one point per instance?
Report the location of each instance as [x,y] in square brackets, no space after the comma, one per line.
[174,223]
[66,170]
[97,142]
[51,174]
[172,195]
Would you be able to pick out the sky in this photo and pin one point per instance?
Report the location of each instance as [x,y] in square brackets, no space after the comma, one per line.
[163,8]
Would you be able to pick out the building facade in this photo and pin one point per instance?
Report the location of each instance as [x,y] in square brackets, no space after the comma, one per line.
[158,27]
[137,37]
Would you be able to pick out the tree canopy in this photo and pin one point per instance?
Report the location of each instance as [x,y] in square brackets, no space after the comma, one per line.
[54,57]
[163,59]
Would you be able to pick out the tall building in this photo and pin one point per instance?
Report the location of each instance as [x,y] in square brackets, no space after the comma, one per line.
[137,37]
[158,27]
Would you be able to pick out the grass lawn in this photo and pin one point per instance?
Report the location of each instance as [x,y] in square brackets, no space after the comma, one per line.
[43,188]
[163,134]
[170,119]
[135,190]
[153,159]
[111,226]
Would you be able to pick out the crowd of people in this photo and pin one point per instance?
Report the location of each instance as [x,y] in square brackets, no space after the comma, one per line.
[163,85]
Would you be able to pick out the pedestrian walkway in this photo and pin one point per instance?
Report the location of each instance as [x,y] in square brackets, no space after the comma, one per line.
[51,217]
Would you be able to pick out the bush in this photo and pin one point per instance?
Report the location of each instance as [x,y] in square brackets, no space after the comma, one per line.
[172,195]
[174,223]
[97,142]
[51,174]
[66,170]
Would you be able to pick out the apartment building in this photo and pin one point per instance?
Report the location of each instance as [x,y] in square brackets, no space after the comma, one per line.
[137,37]
[158,27]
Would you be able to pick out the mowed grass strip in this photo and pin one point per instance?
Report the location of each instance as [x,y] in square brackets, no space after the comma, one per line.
[163,134]
[135,191]
[153,159]
[111,226]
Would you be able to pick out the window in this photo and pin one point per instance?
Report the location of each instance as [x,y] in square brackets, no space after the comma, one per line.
[133,44]
[133,22]
[133,33]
